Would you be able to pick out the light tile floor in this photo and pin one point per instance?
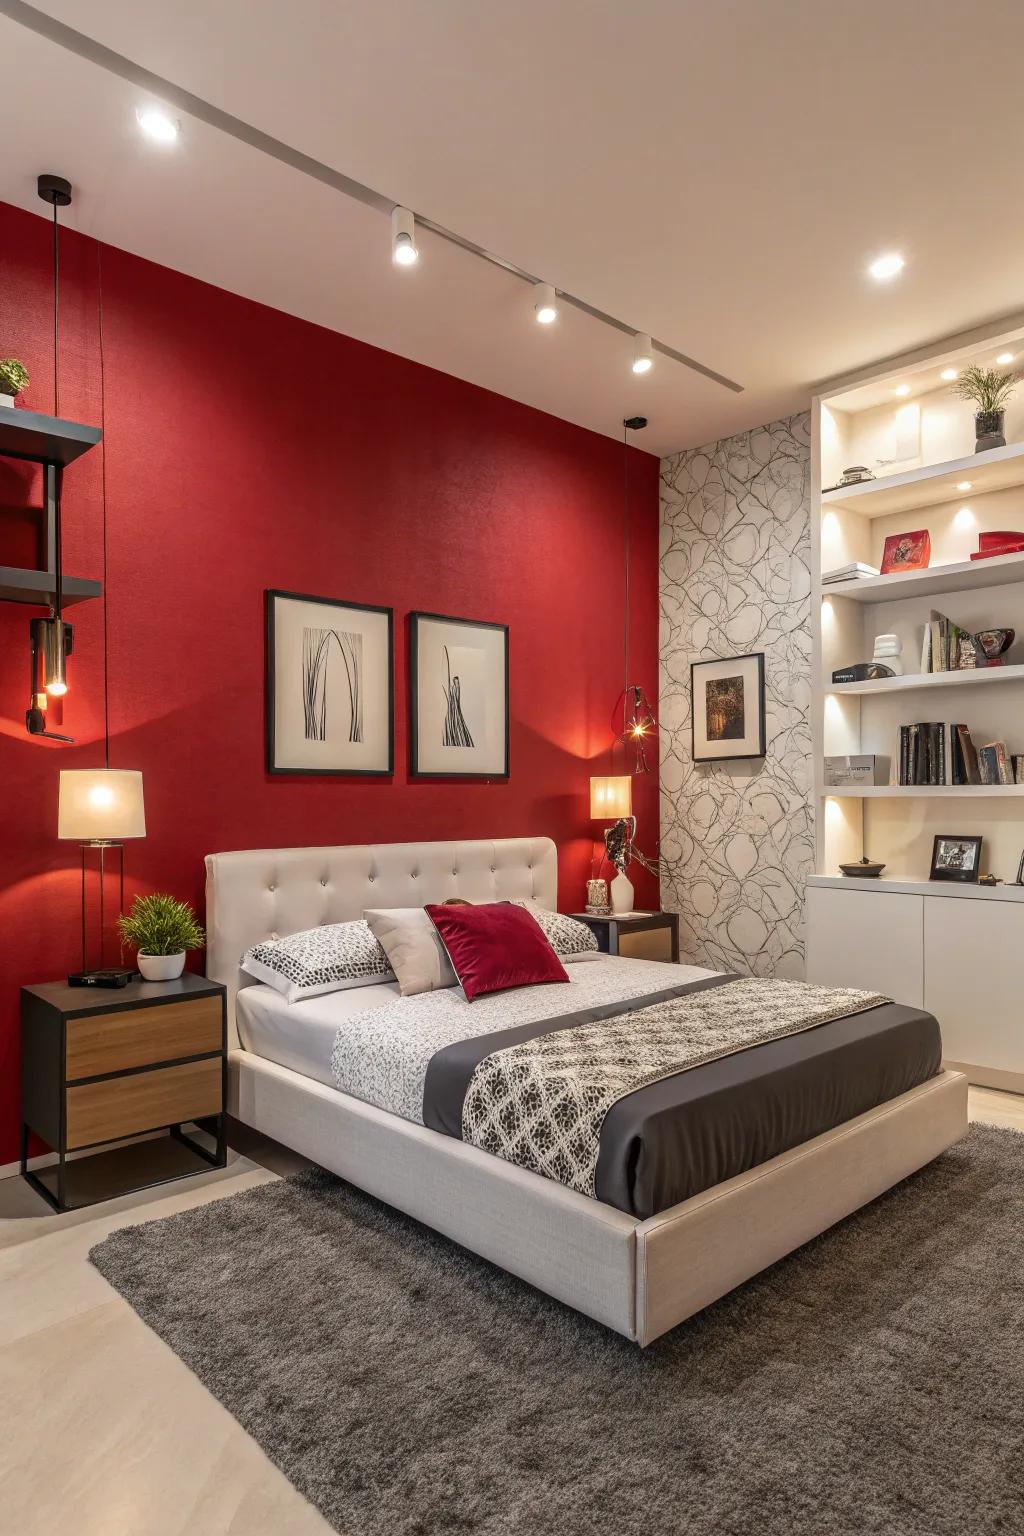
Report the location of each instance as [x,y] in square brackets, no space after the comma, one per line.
[103,1431]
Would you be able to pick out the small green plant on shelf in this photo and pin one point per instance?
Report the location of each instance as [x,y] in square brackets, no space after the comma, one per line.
[13,376]
[159,925]
[985,388]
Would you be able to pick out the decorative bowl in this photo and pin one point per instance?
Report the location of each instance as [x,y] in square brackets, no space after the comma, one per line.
[993,642]
[864,869]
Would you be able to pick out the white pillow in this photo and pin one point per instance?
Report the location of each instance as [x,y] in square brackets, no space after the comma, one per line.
[415,953]
[569,938]
[319,960]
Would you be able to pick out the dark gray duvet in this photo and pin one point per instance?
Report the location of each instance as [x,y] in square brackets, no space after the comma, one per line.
[686,1130]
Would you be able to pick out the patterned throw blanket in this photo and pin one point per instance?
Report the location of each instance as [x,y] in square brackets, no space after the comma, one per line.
[547,1077]
[542,1103]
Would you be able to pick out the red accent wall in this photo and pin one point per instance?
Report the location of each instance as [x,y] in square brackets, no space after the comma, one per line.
[246,449]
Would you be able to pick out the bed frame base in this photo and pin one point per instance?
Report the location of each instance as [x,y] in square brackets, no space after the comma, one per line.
[639,1278]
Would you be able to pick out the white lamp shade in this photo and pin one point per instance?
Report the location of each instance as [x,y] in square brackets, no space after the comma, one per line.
[611,798]
[100,805]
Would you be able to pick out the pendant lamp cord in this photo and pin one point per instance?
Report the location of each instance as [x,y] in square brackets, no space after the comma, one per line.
[56,310]
[103,497]
[625,523]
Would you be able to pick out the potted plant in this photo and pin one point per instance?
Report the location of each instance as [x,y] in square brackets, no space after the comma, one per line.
[161,929]
[13,379]
[989,391]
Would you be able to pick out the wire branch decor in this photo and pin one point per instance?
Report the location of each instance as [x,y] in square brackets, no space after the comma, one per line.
[621,849]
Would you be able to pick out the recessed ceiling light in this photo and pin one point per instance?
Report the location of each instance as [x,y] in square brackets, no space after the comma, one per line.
[156,125]
[1004,358]
[902,389]
[886,267]
[948,373]
[643,354]
[964,485]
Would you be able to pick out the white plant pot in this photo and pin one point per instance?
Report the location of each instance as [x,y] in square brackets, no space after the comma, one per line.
[161,967]
[7,400]
[622,895]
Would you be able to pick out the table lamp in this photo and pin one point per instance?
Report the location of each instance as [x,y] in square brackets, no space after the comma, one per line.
[100,808]
[611,799]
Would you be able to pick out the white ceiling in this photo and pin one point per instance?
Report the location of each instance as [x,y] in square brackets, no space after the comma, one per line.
[717,174]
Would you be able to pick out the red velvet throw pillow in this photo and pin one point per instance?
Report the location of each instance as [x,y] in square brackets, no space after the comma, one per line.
[495,947]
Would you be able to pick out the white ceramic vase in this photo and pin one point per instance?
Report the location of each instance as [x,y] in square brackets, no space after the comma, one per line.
[161,967]
[7,400]
[622,895]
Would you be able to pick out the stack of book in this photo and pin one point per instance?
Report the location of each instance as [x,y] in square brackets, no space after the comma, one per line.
[849,572]
[939,752]
[941,649]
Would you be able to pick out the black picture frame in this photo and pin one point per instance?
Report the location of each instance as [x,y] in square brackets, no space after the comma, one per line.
[416,771]
[759,722]
[270,597]
[967,876]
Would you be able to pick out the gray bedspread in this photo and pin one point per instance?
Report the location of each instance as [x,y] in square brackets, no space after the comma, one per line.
[643,1103]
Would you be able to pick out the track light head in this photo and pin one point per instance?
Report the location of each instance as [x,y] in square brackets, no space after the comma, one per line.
[403,238]
[643,353]
[545,306]
[635,423]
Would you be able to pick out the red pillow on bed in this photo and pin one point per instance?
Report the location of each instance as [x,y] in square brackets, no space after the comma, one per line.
[495,946]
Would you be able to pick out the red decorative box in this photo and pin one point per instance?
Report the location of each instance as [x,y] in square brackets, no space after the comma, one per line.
[990,544]
[907,552]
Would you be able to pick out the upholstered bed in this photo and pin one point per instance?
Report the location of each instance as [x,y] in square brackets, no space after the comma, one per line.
[626,1258]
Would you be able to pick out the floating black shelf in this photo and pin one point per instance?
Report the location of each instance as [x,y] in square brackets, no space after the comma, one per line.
[44,439]
[17,586]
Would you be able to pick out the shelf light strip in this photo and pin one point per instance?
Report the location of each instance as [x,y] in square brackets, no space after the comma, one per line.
[87,48]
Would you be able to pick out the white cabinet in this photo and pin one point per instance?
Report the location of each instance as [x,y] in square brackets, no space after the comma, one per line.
[957,952]
[868,939]
[974,983]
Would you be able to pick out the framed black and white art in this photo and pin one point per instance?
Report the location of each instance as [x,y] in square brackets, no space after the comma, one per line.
[329,686]
[458,696]
[728,708]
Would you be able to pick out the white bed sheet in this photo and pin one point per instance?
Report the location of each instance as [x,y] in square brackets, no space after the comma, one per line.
[301,1035]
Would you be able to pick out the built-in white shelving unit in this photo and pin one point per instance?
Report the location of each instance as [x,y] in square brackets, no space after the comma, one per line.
[956,949]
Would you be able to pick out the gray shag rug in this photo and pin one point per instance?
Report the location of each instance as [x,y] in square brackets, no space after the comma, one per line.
[872,1382]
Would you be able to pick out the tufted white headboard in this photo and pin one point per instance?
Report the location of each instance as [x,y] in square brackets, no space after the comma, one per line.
[261,893]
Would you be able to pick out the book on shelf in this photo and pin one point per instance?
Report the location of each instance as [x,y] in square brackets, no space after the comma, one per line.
[1018,767]
[994,765]
[848,572]
[941,649]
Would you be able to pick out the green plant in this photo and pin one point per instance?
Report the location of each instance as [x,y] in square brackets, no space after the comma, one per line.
[159,925]
[988,389]
[13,376]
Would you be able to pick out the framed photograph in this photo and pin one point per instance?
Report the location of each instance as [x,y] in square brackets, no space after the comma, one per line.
[956,858]
[329,686]
[728,708]
[458,698]
[906,552]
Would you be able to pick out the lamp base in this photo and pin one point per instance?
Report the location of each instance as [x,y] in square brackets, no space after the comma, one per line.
[103,976]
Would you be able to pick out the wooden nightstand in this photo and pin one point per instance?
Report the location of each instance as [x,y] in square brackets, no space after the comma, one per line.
[99,1066]
[622,935]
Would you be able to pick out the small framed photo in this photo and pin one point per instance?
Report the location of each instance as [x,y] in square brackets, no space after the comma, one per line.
[956,858]
[458,698]
[728,708]
[329,686]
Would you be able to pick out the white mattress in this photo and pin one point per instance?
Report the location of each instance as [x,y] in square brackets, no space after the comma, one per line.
[301,1036]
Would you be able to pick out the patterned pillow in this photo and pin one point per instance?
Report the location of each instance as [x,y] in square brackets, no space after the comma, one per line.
[327,959]
[569,939]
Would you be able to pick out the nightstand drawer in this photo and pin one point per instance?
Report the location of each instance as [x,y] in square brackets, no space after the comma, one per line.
[116,1042]
[120,1106]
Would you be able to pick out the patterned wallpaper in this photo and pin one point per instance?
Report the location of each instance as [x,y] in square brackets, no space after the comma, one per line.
[737,839]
